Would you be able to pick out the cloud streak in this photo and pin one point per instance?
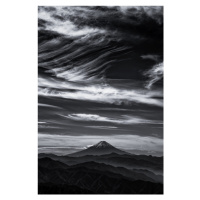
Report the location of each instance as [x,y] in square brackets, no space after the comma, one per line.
[125,119]
[150,57]
[102,127]
[102,93]
[47,105]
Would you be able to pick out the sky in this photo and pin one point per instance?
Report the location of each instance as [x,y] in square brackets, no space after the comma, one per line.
[100,78]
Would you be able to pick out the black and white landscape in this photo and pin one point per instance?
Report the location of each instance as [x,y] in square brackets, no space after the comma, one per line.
[100,100]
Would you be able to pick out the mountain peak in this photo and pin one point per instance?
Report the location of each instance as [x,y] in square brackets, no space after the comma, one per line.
[100,148]
[102,144]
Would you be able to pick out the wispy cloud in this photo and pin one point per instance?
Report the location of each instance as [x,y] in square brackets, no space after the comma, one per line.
[47,105]
[150,57]
[154,12]
[125,119]
[88,146]
[63,25]
[99,92]
[154,74]
[102,127]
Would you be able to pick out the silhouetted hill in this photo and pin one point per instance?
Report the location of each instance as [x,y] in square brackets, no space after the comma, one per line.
[156,178]
[91,178]
[50,188]
[154,164]
[51,164]
[129,174]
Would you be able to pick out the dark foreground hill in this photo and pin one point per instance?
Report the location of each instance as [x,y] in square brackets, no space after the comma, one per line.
[55,177]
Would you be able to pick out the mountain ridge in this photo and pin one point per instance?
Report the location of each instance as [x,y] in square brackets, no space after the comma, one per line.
[91,178]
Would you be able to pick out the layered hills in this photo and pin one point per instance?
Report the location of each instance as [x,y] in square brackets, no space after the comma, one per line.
[100,169]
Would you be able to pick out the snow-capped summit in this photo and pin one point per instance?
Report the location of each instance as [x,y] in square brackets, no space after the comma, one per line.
[102,144]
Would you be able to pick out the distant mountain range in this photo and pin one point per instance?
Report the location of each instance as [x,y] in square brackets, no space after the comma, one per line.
[100,169]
